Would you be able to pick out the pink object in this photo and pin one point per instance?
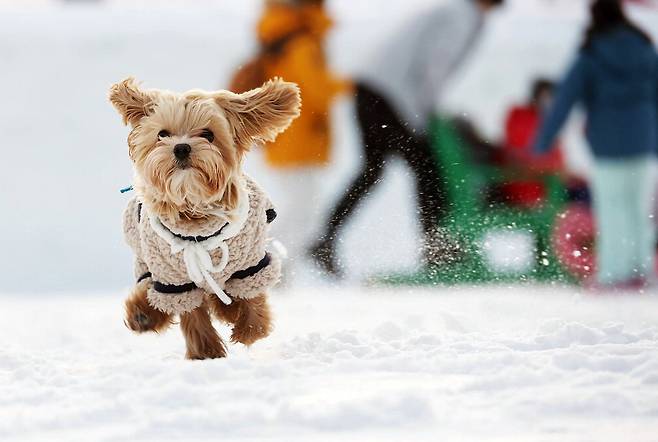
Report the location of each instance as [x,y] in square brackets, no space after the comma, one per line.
[632,285]
[573,239]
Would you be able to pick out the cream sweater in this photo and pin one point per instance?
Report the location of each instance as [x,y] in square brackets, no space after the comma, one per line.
[182,263]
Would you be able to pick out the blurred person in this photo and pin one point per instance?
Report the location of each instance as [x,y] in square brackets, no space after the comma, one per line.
[523,121]
[291,35]
[395,99]
[521,125]
[615,76]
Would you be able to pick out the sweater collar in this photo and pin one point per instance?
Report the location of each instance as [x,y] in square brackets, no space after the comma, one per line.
[197,238]
[232,221]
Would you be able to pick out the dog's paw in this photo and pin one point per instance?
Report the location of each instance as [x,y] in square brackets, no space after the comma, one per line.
[254,321]
[201,338]
[139,322]
[141,317]
[247,334]
[209,352]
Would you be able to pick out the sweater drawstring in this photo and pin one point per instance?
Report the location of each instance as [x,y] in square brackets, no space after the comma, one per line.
[199,265]
[196,254]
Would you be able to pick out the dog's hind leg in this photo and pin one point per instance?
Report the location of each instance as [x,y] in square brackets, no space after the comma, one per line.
[201,338]
[225,313]
[140,315]
[253,321]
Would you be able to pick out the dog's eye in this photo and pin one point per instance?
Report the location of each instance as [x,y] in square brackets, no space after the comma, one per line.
[163,134]
[208,135]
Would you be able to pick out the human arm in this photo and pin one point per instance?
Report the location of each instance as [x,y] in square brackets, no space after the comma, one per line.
[570,91]
[656,92]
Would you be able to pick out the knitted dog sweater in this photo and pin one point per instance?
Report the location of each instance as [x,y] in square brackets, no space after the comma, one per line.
[184,261]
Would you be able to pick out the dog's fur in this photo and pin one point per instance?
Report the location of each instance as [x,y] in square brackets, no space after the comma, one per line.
[188,193]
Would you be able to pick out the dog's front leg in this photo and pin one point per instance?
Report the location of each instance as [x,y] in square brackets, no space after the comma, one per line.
[254,320]
[140,315]
[201,338]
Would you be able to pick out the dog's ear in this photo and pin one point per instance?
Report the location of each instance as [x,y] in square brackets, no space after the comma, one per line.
[260,114]
[132,103]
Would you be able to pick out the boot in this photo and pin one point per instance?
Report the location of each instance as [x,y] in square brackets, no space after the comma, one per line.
[323,254]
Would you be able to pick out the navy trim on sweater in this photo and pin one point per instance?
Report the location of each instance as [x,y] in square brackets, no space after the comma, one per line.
[198,238]
[172,289]
[271,215]
[251,271]
[143,277]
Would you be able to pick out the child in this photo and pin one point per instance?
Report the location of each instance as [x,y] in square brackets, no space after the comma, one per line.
[521,126]
[615,76]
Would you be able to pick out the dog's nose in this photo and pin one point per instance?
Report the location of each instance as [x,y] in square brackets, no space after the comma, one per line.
[182,151]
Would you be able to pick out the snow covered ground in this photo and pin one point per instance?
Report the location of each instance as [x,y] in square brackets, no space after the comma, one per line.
[523,364]
[356,364]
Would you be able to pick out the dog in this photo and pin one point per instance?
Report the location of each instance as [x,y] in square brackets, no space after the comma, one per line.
[198,225]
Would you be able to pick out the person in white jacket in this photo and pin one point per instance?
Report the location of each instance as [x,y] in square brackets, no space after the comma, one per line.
[396,95]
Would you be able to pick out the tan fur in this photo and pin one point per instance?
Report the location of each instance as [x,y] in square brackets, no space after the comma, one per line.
[140,316]
[201,338]
[254,321]
[205,183]
[251,318]
[224,313]
[237,121]
[260,114]
[132,103]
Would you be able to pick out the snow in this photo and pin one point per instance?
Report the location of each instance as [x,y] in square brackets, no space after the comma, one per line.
[345,362]
[368,364]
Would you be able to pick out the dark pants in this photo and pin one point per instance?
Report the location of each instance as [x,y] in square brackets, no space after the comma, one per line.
[384,135]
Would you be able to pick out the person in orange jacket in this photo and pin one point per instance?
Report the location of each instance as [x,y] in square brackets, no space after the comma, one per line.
[291,36]
[299,28]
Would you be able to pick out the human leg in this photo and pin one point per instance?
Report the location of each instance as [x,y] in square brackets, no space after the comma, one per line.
[614,222]
[372,119]
[431,196]
[641,195]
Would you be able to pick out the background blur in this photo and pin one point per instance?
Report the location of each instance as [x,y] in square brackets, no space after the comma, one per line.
[64,151]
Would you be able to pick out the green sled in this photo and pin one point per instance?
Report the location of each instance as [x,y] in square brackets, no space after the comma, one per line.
[473,221]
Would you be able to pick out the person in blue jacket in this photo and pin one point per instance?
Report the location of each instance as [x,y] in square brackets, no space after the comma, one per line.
[615,77]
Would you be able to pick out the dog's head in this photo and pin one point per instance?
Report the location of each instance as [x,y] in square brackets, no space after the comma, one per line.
[187,148]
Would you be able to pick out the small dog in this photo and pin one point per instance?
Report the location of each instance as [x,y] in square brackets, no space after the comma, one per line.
[198,225]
